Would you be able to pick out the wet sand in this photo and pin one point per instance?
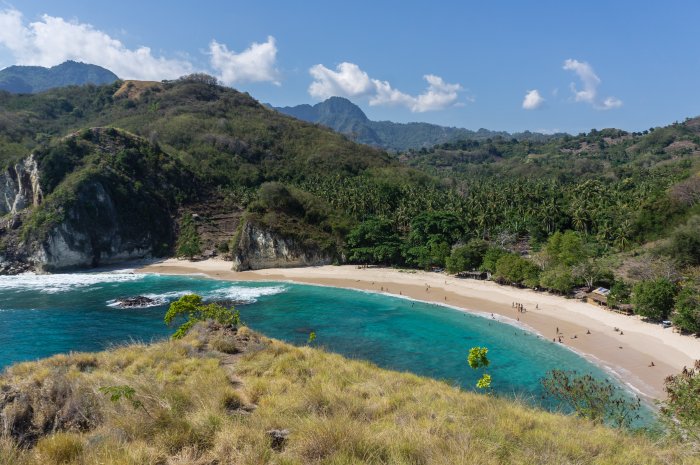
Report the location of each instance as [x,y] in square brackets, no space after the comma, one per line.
[627,352]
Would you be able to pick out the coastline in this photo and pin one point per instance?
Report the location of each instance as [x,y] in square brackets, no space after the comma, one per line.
[628,355]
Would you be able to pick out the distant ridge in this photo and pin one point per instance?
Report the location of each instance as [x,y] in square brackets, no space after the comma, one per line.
[33,79]
[343,116]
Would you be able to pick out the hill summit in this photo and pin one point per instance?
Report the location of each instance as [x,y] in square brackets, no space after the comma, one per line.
[33,79]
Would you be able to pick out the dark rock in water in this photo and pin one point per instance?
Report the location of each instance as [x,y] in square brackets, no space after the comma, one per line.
[137,302]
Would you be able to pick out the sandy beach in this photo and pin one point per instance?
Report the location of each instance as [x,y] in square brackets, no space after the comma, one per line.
[628,352]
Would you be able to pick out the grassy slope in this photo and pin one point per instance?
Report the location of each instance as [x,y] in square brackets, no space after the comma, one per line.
[203,406]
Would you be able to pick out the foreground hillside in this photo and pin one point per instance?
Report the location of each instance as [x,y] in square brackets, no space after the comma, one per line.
[217,396]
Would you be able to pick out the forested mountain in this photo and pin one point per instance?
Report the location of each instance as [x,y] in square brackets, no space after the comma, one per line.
[32,79]
[192,167]
[343,116]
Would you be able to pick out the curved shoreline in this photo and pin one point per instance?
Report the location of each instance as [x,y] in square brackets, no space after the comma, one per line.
[626,355]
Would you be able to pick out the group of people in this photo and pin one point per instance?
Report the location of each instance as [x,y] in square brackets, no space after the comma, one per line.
[519,307]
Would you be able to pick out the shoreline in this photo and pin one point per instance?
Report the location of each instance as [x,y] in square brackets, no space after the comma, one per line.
[626,355]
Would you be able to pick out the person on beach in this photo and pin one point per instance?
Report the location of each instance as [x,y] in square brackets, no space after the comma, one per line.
[588,331]
[652,364]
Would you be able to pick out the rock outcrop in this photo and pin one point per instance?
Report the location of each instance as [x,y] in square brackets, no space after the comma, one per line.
[19,187]
[259,248]
[91,234]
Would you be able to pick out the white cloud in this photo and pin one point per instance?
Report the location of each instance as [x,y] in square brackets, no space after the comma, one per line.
[348,80]
[532,100]
[53,40]
[611,102]
[590,82]
[255,64]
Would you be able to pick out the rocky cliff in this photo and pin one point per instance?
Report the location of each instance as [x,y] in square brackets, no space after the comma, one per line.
[258,247]
[94,198]
[19,186]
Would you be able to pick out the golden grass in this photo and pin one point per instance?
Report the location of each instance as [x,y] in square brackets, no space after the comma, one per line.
[203,406]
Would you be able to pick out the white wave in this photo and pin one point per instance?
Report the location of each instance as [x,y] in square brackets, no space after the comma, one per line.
[55,283]
[235,293]
[243,294]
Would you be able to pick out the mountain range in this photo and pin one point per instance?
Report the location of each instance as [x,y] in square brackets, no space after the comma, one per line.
[33,79]
[343,116]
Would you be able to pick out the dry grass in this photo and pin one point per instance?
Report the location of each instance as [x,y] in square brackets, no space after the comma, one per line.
[203,406]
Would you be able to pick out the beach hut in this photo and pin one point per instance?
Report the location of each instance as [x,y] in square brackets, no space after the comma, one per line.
[599,296]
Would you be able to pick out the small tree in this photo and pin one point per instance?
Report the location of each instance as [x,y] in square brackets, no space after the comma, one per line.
[687,314]
[478,359]
[189,243]
[467,257]
[116,393]
[620,293]
[654,299]
[682,407]
[558,279]
[590,398]
[192,307]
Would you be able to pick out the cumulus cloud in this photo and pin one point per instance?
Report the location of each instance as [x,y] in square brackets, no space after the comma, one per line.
[255,64]
[532,100]
[53,40]
[348,80]
[590,82]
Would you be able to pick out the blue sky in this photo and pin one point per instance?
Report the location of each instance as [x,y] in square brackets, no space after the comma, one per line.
[593,64]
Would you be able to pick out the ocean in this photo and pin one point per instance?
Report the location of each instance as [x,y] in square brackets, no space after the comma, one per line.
[42,315]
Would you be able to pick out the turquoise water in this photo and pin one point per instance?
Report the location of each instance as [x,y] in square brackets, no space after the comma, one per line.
[44,315]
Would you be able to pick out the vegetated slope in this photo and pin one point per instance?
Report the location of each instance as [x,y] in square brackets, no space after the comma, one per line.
[227,396]
[343,116]
[228,140]
[96,197]
[32,79]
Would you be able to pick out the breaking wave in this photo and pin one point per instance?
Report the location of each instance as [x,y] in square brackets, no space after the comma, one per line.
[55,283]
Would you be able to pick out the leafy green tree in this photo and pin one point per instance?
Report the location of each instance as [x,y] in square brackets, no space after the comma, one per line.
[430,238]
[558,279]
[467,257]
[514,269]
[374,241]
[681,406]
[477,360]
[596,400]
[620,293]
[566,248]
[191,307]
[684,244]
[654,299]
[189,243]
[491,258]
[687,311]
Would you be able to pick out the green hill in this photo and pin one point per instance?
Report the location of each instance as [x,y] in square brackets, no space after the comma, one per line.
[268,190]
[227,396]
[32,79]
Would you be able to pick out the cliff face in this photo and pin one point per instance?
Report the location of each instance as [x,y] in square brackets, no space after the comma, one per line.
[260,248]
[91,234]
[94,198]
[19,187]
